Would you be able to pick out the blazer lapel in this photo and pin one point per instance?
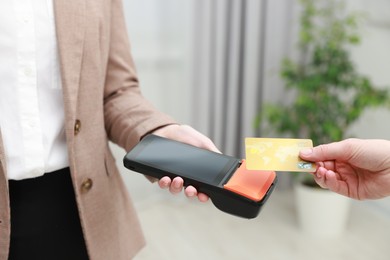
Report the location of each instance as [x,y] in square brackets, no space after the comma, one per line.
[70,26]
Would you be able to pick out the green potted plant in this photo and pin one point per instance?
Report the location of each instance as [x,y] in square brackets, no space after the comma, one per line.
[329,94]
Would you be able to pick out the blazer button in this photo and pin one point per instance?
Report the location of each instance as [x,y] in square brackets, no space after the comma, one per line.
[86,185]
[77,127]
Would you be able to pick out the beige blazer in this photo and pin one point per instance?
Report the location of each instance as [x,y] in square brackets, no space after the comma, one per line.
[102,102]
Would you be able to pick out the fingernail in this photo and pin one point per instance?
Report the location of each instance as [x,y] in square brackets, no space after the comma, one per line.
[319,174]
[165,185]
[307,151]
[177,185]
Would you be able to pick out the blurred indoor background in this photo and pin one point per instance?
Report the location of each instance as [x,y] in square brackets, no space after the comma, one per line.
[212,64]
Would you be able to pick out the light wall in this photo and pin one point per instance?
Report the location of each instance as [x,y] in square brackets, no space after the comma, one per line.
[372,58]
[160,34]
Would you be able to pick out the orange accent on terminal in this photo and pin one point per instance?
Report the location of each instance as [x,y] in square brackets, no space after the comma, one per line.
[252,184]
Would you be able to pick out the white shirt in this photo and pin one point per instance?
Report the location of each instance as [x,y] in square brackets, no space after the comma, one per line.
[31,102]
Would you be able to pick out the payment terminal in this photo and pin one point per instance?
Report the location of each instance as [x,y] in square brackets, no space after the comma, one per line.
[225,179]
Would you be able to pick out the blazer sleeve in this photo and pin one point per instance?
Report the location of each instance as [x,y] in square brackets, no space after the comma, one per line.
[128,115]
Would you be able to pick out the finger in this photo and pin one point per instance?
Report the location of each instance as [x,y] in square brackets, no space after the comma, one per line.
[331,181]
[329,165]
[199,139]
[319,177]
[203,197]
[209,145]
[164,182]
[325,152]
[335,184]
[176,185]
[190,192]
[321,171]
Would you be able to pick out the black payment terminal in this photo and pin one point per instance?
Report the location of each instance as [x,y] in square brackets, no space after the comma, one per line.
[231,187]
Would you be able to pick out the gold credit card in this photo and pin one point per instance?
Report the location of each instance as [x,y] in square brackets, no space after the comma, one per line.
[277,154]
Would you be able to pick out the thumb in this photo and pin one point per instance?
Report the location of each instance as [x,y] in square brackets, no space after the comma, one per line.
[324,152]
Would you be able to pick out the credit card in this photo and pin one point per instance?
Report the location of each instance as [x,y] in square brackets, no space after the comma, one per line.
[277,154]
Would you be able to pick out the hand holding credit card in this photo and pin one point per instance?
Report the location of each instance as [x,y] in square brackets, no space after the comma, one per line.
[277,154]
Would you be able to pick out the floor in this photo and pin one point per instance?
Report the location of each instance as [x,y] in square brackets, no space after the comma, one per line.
[177,228]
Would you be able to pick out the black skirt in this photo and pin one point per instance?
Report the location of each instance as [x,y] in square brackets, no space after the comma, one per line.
[45,222]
